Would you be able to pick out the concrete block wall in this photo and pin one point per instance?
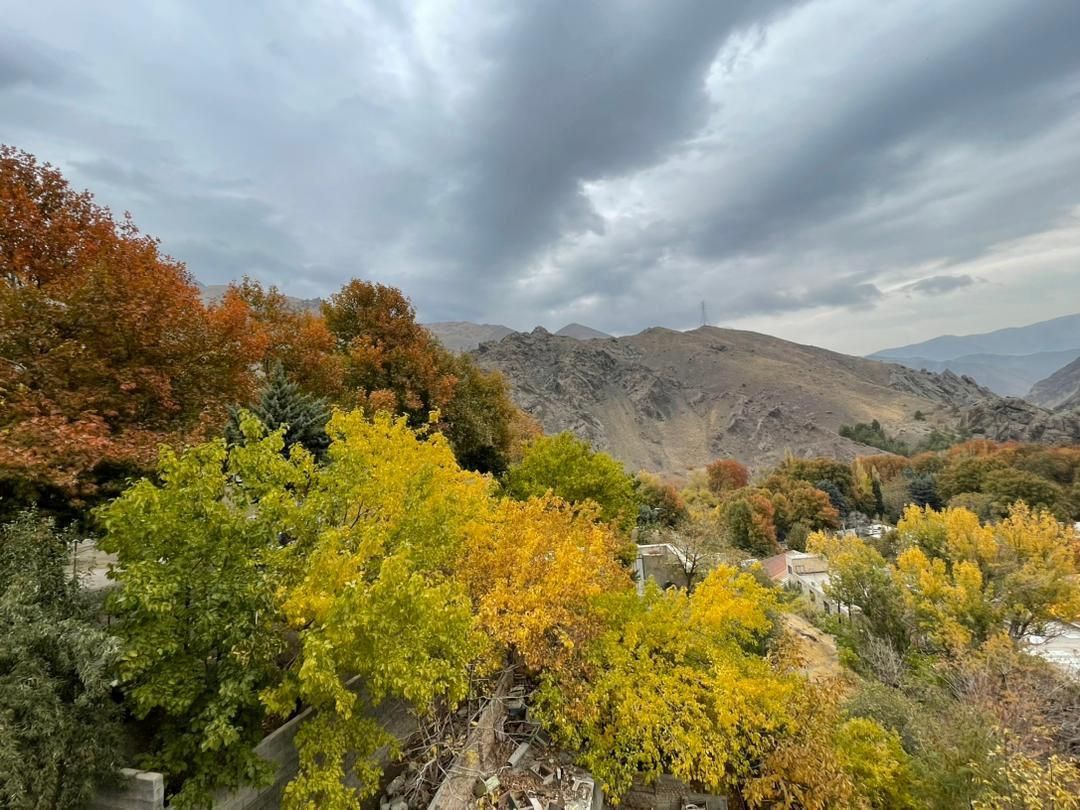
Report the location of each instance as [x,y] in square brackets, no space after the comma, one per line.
[139,790]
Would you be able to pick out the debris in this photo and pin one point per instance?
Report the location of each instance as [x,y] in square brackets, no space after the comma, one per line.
[519,754]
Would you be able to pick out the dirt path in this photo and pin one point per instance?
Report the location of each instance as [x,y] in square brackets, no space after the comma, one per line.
[818,648]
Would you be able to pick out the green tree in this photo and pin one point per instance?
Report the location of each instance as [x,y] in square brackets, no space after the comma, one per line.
[198,619]
[922,489]
[371,591]
[747,522]
[576,473]
[283,405]
[1008,486]
[479,418]
[59,730]
[661,504]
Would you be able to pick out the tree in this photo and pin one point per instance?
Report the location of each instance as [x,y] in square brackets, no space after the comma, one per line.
[371,591]
[283,405]
[962,581]
[198,619]
[796,501]
[105,347]
[479,419]
[661,504]
[391,362]
[536,576]
[837,498]
[860,577]
[576,473]
[922,489]
[670,688]
[60,730]
[1009,486]
[747,522]
[726,475]
[294,337]
[240,554]
[815,470]
[874,435]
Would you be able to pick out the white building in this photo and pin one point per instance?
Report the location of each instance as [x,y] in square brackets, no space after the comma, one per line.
[807,572]
[1060,645]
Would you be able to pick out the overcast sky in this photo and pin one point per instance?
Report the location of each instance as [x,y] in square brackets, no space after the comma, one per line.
[848,173]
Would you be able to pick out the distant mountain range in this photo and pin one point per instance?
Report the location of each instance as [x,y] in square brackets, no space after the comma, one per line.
[673,401]
[1008,361]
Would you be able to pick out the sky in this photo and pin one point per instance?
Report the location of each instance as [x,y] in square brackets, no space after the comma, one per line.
[851,174]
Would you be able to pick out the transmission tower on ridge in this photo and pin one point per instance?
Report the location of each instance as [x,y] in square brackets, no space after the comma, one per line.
[704,315]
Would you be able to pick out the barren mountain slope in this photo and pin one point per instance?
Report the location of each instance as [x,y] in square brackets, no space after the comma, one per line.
[673,401]
[1061,390]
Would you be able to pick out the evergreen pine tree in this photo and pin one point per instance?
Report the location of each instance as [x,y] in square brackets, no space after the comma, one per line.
[282,403]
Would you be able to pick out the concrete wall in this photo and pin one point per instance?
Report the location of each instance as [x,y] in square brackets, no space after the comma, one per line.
[139,790]
[145,790]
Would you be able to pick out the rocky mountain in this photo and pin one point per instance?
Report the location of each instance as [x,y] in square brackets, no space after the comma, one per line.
[463,336]
[673,401]
[1008,361]
[1059,391]
[1015,420]
[581,332]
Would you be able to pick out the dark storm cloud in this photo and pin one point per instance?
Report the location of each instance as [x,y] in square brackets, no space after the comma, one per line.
[576,92]
[614,163]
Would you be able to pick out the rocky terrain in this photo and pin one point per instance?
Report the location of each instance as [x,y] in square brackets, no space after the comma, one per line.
[1012,419]
[1059,391]
[673,401]
[581,332]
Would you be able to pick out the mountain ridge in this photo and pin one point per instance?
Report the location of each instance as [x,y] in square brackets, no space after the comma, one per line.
[672,401]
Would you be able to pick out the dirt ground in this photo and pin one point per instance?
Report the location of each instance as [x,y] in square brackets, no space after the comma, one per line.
[818,648]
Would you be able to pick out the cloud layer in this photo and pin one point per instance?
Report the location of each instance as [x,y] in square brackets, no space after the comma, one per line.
[847,173]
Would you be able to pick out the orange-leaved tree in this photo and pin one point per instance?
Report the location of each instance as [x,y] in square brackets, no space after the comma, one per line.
[105,346]
[391,361]
[295,337]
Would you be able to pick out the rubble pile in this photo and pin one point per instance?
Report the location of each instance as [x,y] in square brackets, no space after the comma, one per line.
[500,750]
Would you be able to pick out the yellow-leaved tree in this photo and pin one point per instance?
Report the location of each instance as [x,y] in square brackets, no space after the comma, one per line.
[536,573]
[371,594]
[963,581]
[668,687]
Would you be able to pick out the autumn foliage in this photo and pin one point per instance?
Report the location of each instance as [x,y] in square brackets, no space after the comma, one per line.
[105,347]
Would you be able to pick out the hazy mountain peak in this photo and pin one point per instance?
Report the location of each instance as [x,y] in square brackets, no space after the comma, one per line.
[579,331]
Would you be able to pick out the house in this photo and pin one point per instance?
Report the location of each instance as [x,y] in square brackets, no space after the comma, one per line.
[1060,645]
[667,565]
[807,573]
